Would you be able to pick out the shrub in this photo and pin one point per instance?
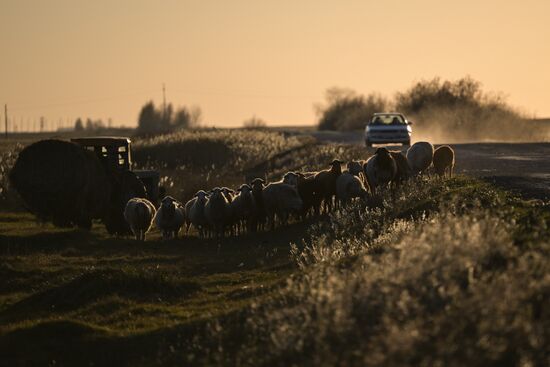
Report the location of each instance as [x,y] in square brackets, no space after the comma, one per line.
[254,123]
[445,290]
[346,110]
[460,110]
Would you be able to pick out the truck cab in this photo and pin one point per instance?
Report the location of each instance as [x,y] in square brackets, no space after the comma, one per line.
[388,128]
[115,154]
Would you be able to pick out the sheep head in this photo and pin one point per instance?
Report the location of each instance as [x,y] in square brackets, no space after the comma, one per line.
[168,205]
[290,178]
[257,184]
[336,166]
[201,195]
[244,189]
[354,167]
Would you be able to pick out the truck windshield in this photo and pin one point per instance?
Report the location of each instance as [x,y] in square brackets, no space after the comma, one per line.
[387,120]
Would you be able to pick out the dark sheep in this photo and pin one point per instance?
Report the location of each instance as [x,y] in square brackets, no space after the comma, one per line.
[325,182]
[306,187]
[380,169]
[404,171]
[258,221]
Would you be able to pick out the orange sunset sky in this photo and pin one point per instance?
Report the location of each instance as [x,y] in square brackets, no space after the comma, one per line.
[273,59]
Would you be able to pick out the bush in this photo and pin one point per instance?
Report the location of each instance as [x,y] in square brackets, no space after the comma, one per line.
[254,123]
[452,287]
[346,110]
[8,198]
[204,158]
[461,110]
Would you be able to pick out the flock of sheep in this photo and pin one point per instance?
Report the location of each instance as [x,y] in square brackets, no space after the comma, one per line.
[255,205]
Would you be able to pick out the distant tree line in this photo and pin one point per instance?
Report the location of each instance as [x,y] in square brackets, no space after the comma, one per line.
[159,120]
[89,125]
[254,123]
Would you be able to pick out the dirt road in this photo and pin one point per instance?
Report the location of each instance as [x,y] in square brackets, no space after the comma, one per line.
[520,167]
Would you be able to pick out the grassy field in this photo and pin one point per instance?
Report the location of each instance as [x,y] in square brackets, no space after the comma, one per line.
[447,272]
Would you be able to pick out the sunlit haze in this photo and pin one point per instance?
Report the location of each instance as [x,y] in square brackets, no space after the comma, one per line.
[235,59]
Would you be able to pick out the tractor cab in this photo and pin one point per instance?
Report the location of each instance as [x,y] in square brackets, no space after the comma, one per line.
[115,154]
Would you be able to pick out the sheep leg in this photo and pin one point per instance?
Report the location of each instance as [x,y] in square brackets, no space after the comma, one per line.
[271,221]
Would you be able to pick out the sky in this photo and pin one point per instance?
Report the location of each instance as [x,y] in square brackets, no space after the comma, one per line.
[236,59]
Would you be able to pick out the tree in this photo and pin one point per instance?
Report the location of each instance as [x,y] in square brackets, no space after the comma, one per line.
[78,125]
[149,119]
[195,113]
[153,120]
[254,123]
[182,119]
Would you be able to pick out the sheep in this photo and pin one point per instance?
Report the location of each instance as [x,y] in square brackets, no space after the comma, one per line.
[194,212]
[290,178]
[169,217]
[217,212]
[325,182]
[355,168]
[243,207]
[228,193]
[259,218]
[280,200]
[402,164]
[306,187]
[349,186]
[420,156]
[380,169]
[139,214]
[444,157]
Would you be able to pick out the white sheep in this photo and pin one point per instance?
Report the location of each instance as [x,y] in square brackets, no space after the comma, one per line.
[139,214]
[349,186]
[280,200]
[420,156]
[217,212]
[170,217]
[194,212]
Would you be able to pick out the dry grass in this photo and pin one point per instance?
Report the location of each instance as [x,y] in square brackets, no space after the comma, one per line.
[444,272]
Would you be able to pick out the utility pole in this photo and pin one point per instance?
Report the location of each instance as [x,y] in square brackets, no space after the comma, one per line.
[163,101]
[6,118]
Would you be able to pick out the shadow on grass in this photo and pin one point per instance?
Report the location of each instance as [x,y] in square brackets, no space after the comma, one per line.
[72,343]
[145,284]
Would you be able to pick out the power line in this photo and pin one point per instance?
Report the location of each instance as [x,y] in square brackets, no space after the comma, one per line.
[78,101]
[6,118]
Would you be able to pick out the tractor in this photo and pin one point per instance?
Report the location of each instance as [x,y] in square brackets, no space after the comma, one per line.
[115,154]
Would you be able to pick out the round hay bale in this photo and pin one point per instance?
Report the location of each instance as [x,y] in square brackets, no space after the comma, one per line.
[61,182]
